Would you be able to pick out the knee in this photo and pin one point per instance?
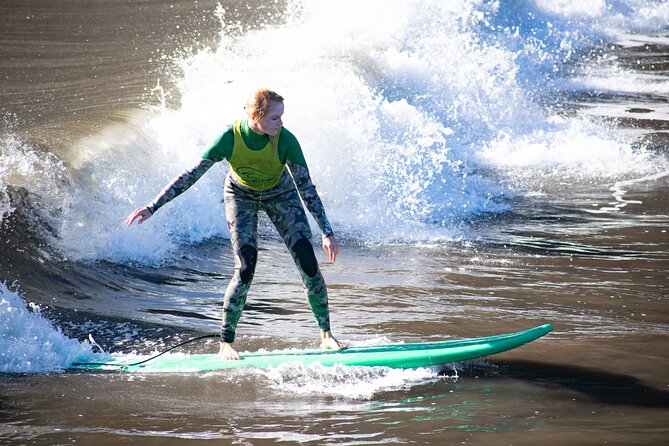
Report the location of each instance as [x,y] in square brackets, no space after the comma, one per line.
[248,257]
[306,257]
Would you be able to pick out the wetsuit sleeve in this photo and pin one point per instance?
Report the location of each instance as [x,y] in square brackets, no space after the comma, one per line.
[289,149]
[310,196]
[180,184]
[221,148]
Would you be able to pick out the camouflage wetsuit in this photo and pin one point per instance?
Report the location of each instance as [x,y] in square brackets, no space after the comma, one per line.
[280,202]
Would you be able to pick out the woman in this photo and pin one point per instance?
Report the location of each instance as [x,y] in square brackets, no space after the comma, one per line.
[258,150]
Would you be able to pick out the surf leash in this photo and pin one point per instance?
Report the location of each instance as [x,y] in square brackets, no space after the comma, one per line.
[174,347]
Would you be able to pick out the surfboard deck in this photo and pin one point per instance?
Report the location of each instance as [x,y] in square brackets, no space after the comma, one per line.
[404,356]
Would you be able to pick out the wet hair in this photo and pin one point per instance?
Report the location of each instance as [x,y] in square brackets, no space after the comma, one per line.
[260,100]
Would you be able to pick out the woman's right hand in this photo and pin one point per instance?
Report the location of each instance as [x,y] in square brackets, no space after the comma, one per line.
[142,213]
[331,247]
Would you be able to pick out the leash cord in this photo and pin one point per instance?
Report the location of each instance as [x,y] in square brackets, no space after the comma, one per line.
[110,364]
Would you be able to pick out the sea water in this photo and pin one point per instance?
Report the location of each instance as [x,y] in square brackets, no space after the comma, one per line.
[486,166]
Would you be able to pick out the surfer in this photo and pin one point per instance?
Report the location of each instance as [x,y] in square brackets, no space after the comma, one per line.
[258,150]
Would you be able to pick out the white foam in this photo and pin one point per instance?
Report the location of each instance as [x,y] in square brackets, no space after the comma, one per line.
[561,151]
[613,18]
[344,381]
[23,167]
[29,343]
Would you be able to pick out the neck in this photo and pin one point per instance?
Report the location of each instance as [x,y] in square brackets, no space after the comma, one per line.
[254,127]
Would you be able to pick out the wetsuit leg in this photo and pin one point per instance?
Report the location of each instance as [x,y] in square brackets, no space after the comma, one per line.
[242,217]
[314,283]
[290,219]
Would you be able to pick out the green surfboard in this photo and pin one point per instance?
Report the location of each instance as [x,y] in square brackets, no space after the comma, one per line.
[403,356]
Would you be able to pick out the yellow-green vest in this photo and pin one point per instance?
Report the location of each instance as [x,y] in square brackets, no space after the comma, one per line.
[256,169]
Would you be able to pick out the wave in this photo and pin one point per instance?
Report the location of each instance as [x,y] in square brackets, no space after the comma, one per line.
[413,117]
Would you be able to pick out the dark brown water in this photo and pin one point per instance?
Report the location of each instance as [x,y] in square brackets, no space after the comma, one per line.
[582,248]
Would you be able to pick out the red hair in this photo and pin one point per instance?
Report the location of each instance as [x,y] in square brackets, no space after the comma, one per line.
[259,101]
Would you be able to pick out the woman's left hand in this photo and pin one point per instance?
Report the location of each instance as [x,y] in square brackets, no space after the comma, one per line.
[331,247]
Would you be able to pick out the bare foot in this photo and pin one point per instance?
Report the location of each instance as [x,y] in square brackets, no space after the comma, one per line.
[328,342]
[228,352]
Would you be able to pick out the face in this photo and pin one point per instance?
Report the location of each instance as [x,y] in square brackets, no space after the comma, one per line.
[271,122]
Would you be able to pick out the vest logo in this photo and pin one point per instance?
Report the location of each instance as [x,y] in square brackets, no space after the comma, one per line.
[253,175]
